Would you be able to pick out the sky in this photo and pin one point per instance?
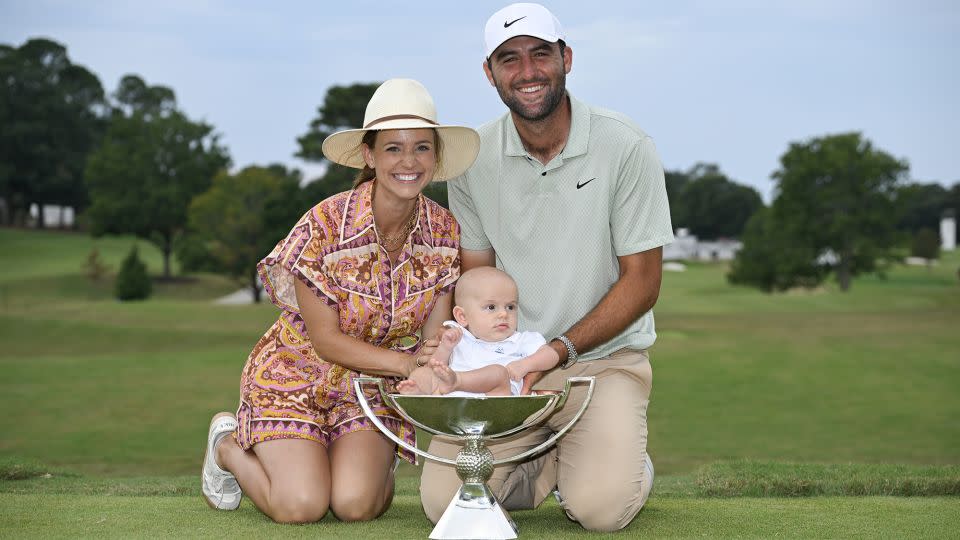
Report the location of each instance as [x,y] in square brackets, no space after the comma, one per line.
[729,82]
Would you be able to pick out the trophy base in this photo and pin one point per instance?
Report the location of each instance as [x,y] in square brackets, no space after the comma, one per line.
[461,523]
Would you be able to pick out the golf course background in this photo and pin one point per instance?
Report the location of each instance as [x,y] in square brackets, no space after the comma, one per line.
[810,413]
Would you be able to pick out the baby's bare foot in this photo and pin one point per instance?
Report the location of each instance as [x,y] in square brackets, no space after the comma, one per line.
[447,379]
[408,387]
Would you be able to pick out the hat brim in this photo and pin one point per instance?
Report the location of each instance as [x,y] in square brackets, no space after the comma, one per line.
[545,36]
[459,146]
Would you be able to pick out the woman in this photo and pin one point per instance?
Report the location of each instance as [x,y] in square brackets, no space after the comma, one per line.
[360,278]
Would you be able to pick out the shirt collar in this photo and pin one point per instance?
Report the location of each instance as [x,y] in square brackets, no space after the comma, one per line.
[358,216]
[514,337]
[577,139]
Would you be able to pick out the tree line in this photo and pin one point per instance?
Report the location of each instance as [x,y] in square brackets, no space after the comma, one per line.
[132,162]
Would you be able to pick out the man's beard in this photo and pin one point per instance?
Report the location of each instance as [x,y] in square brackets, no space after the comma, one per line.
[550,103]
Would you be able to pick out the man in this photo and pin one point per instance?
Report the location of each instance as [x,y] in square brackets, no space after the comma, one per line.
[570,200]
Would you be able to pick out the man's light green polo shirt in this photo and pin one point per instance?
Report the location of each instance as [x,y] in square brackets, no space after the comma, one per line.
[558,228]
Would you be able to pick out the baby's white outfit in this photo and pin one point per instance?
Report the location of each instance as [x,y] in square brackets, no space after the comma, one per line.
[473,353]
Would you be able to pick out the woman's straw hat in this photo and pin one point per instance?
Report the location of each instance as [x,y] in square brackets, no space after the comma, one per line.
[405,104]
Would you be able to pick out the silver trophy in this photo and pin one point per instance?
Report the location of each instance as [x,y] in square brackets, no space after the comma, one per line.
[474,511]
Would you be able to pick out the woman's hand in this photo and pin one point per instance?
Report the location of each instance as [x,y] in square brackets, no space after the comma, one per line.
[332,345]
[411,362]
[427,350]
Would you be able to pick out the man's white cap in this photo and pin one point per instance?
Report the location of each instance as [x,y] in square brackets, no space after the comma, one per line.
[521,20]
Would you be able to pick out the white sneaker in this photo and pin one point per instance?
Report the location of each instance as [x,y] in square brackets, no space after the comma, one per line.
[220,488]
[647,486]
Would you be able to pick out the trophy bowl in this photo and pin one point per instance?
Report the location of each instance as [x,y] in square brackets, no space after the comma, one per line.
[474,511]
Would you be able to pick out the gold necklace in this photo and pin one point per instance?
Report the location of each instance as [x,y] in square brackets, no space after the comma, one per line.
[398,238]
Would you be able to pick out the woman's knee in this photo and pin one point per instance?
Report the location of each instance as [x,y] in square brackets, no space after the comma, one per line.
[298,507]
[357,506]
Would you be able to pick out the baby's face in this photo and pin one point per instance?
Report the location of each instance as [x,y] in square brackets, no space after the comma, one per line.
[490,312]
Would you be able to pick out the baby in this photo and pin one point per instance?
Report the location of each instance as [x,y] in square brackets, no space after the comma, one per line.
[482,352]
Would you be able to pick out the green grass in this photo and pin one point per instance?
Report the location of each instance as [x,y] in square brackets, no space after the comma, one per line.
[169,507]
[740,478]
[55,253]
[846,397]
[864,376]
[62,516]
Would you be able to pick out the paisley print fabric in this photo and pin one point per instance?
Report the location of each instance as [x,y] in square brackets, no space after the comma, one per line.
[287,390]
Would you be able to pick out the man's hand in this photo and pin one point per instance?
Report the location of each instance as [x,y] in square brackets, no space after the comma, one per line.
[529,380]
[536,365]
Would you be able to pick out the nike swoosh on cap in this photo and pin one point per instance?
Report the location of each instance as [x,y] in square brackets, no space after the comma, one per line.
[507,24]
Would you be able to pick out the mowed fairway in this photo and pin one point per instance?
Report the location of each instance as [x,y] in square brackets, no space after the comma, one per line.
[98,392]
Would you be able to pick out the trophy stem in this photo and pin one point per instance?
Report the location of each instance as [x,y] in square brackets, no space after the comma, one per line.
[475,467]
[474,512]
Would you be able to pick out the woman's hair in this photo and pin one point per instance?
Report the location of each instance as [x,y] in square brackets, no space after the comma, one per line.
[370,138]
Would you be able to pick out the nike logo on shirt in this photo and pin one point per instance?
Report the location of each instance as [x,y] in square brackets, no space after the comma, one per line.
[581,184]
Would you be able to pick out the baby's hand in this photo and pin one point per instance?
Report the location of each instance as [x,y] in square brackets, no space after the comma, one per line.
[516,370]
[451,336]
[448,341]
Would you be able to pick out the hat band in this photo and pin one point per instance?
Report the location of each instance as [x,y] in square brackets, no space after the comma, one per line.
[399,117]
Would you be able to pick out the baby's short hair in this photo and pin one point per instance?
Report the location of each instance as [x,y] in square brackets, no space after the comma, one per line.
[467,283]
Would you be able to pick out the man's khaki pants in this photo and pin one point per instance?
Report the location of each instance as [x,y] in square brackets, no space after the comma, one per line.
[597,466]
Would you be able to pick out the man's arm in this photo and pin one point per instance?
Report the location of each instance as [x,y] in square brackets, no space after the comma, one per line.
[634,293]
[470,258]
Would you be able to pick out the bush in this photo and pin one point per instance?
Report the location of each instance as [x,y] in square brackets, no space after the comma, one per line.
[926,244]
[133,283]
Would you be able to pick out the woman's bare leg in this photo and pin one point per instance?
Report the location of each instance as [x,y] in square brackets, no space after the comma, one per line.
[287,479]
[361,465]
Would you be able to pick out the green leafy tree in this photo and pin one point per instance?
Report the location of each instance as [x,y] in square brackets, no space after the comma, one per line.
[952,205]
[133,282]
[51,116]
[343,107]
[149,167]
[676,181]
[713,206]
[770,261]
[336,179]
[241,217]
[134,95]
[835,195]
[437,192]
[708,203]
[919,206]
